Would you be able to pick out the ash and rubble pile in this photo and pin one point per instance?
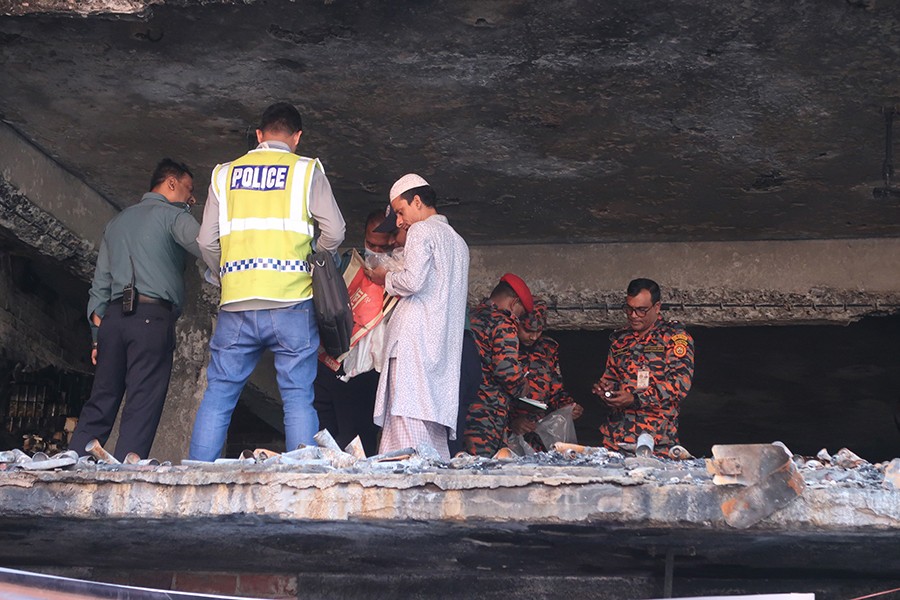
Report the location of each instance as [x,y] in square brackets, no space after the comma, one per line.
[842,469]
[740,485]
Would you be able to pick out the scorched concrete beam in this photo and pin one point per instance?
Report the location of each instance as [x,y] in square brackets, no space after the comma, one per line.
[704,283]
[47,207]
[524,496]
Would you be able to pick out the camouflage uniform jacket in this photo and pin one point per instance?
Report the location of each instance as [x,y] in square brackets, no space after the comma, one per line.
[667,351]
[545,385]
[497,338]
[502,378]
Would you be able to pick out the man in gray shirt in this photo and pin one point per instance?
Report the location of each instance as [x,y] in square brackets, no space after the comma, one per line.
[143,249]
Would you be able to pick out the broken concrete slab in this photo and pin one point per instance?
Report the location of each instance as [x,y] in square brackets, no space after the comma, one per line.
[412,516]
[758,501]
[488,490]
[745,464]
[767,470]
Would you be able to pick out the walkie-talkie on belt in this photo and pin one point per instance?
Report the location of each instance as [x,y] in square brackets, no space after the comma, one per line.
[129,296]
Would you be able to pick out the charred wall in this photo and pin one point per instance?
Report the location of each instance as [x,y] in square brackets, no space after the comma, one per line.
[42,320]
[727,283]
[809,386]
[45,371]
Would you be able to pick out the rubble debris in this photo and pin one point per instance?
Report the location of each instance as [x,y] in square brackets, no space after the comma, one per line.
[844,469]
[564,447]
[13,456]
[644,461]
[42,462]
[572,451]
[769,474]
[463,460]
[824,456]
[17,459]
[311,456]
[95,449]
[754,483]
[338,458]
[677,452]
[504,454]
[644,445]
[262,454]
[892,474]
[324,440]
[783,447]
[356,448]
[402,454]
[33,443]
[303,453]
[428,453]
[847,459]
[220,464]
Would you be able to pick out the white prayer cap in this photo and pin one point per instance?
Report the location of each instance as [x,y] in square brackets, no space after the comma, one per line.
[406,183]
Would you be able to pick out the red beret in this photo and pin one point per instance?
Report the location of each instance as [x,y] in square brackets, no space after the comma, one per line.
[521,290]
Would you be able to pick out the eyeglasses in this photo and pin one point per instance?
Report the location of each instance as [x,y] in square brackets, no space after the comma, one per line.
[640,310]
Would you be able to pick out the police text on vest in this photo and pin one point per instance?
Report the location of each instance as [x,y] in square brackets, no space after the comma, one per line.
[263,178]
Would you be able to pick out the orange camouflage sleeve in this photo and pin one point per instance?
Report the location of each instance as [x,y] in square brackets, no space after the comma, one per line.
[559,397]
[506,369]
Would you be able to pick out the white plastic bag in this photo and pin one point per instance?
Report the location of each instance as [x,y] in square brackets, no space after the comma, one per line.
[518,445]
[558,426]
[367,354]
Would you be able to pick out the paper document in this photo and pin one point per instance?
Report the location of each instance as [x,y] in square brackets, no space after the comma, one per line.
[534,403]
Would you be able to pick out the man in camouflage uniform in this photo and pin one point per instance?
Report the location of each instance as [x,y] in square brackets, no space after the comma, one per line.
[539,355]
[494,325]
[648,373]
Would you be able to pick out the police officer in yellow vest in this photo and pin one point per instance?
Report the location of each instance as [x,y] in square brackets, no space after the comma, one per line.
[256,233]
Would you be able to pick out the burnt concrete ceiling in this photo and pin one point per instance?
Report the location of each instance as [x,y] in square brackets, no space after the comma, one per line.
[571,121]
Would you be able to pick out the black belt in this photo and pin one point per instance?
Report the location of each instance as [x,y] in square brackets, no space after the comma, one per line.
[142,299]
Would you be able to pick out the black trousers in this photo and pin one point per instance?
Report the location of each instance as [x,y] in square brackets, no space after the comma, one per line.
[469,382]
[134,356]
[347,410]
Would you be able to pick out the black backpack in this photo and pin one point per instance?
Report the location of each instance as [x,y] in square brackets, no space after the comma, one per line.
[333,313]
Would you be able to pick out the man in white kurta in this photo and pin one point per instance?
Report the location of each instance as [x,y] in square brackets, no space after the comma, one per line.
[418,391]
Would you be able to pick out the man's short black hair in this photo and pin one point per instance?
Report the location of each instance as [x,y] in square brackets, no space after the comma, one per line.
[425,192]
[503,290]
[281,117]
[636,285]
[168,168]
[374,218]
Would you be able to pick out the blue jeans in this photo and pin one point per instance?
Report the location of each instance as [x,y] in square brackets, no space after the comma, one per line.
[236,345]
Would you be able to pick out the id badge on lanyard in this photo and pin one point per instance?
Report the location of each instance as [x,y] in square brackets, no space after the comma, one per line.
[643,379]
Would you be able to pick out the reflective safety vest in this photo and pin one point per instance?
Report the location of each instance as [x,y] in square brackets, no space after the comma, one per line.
[265,227]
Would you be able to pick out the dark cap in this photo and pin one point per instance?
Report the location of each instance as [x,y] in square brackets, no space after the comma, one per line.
[389,225]
[521,290]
